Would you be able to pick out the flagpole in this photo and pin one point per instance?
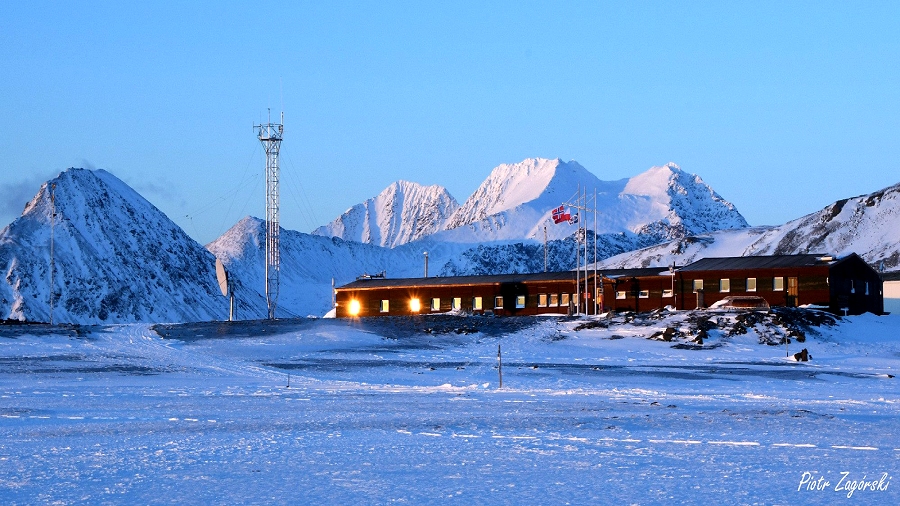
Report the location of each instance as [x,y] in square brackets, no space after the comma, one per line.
[584,225]
[596,298]
[578,252]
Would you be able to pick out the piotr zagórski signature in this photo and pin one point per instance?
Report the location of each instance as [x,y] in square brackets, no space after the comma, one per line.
[846,483]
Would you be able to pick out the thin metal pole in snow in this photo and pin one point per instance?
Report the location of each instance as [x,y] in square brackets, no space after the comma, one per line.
[596,298]
[578,254]
[500,366]
[586,290]
[545,248]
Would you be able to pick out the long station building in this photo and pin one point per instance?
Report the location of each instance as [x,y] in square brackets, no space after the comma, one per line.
[843,286]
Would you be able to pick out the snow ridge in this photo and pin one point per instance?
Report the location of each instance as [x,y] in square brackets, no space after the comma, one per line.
[691,206]
[403,212]
[515,202]
[117,258]
[866,225]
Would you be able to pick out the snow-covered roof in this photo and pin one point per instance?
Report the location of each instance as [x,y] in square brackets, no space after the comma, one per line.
[757,262]
[458,280]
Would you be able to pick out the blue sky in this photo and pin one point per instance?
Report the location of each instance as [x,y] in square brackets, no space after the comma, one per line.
[781,107]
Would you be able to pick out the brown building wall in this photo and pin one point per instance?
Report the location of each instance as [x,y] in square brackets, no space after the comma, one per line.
[633,286]
[812,287]
[850,284]
[399,298]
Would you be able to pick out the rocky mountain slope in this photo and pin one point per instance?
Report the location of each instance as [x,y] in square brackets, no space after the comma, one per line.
[402,213]
[515,203]
[868,225]
[117,258]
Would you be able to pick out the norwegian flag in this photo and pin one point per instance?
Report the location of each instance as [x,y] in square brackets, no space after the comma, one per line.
[561,216]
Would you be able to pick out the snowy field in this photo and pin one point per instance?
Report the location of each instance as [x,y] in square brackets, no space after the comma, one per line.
[411,411]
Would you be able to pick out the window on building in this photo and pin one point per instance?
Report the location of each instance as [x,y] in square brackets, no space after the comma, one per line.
[415,305]
[724,285]
[621,294]
[385,306]
[554,300]
[520,301]
[778,284]
[457,303]
[498,302]
[644,294]
[751,284]
[476,304]
[667,292]
[564,299]
[436,304]
[698,285]
[542,300]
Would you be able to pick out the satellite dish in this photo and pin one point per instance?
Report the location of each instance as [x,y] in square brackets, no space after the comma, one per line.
[222,277]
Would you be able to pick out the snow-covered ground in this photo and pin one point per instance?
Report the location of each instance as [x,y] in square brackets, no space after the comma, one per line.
[411,411]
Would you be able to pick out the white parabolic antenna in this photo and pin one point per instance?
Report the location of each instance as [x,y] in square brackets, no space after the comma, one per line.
[222,277]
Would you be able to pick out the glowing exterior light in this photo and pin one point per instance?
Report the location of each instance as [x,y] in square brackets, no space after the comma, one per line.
[414,305]
[354,307]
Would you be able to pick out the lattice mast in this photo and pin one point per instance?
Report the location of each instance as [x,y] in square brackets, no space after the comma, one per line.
[270,135]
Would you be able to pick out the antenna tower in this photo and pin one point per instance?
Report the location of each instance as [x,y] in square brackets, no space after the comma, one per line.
[270,135]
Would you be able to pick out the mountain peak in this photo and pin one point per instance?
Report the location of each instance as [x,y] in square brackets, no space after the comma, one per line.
[116,257]
[403,212]
[511,185]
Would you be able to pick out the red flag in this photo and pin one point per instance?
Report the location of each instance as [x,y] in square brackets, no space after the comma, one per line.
[560,215]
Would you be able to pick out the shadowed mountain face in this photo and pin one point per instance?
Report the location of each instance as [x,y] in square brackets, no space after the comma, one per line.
[116,258]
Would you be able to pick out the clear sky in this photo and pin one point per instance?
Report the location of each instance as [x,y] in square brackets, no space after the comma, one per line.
[782,107]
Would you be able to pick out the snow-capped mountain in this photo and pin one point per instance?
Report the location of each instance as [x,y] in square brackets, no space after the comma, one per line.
[689,206]
[308,265]
[402,213]
[515,203]
[868,225]
[117,258]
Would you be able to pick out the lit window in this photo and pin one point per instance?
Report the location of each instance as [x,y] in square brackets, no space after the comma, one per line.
[385,306]
[354,307]
[564,299]
[554,300]
[668,293]
[778,284]
[457,303]
[476,304]
[644,294]
[520,301]
[436,304]
[751,284]
[620,295]
[414,305]
[498,302]
[698,285]
[724,285]
[542,300]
